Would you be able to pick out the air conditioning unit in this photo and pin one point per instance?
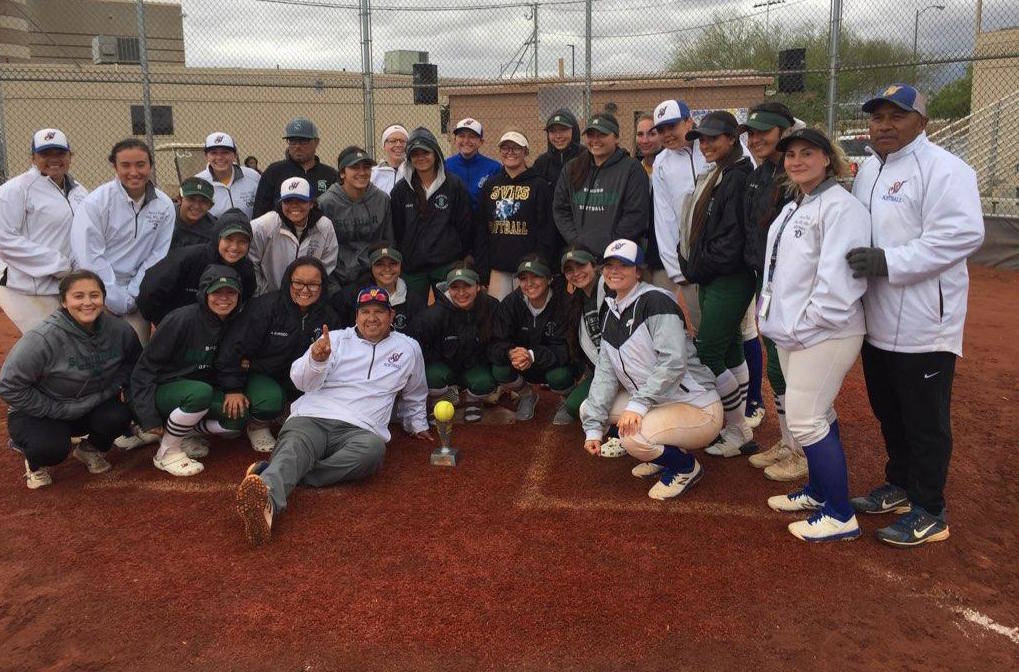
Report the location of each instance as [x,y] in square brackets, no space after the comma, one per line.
[110,49]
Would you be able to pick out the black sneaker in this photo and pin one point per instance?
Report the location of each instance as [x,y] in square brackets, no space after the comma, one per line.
[915,528]
[887,498]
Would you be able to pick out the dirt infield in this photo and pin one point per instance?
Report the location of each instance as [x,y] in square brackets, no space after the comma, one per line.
[531,555]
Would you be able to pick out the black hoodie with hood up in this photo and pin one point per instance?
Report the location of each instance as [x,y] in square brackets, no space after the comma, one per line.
[551,163]
[183,347]
[173,282]
[272,333]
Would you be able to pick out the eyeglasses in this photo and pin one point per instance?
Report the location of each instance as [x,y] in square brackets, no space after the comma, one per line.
[511,149]
[396,141]
[299,141]
[312,287]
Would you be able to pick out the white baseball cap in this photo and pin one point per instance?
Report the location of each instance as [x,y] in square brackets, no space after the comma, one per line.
[219,139]
[671,111]
[295,188]
[395,128]
[469,124]
[625,251]
[49,138]
[514,137]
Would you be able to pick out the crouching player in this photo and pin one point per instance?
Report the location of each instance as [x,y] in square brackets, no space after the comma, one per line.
[337,431]
[668,403]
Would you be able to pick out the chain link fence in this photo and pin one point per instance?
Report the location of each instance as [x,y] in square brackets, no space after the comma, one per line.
[355,66]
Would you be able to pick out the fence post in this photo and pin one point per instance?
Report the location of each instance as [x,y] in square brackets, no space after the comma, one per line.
[3,137]
[368,82]
[834,33]
[143,52]
[587,61]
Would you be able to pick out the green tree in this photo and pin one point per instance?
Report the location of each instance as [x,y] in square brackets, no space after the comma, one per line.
[952,101]
[750,45]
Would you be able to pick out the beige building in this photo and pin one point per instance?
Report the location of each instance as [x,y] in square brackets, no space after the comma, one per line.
[995,103]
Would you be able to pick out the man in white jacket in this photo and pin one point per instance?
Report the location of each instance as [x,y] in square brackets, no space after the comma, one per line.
[36,210]
[672,183]
[927,219]
[338,430]
[122,229]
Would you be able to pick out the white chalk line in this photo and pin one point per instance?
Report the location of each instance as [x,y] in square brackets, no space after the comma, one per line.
[945,600]
[532,496]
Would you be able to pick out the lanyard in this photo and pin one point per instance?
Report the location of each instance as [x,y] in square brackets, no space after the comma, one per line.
[778,239]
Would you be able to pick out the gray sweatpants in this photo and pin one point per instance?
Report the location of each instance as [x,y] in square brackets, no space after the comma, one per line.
[320,452]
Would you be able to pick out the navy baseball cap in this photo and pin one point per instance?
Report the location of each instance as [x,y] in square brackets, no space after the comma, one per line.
[373,294]
[670,112]
[903,96]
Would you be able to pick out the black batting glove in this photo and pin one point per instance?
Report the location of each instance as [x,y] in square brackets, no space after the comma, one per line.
[867,262]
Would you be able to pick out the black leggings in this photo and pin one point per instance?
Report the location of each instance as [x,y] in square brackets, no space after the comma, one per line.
[47,442]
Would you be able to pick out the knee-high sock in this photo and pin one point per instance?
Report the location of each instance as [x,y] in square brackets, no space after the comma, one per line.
[212,427]
[734,401]
[178,425]
[755,364]
[675,460]
[829,476]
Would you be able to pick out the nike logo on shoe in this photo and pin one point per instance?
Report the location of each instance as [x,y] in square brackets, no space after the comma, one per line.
[885,504]
[928,376]
[920,533]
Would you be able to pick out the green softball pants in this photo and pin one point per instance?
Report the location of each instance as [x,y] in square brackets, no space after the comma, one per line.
[478,379]
[265,398]
[723,303]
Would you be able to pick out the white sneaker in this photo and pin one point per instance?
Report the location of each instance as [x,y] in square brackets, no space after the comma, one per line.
[137,439]
[794,501]
[729,443]
[673,485]
[791,468]
[38,478]
[646,469]
[91,458]
[822,527]
[261,439]
[755,419]
[770,456]
[178,464]
[195,447]
[613,448]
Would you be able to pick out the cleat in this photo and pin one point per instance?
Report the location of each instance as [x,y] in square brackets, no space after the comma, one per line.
[886,498]
[38,478]
[672,484]
[794,501]
[178,464]
[822,527]
[791,468]
[137,439]
[754,414]
[526,403]
[915,528]
[562,416]
[646,469]
[770,456]
[728,444]
[93,460]
[255,508]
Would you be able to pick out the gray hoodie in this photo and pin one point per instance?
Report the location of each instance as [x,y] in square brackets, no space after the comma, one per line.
[62,371]
[358,224]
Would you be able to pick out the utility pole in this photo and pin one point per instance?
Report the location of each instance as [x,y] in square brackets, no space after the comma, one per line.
[534,11]
[367,82]
[587,59]
[143,50]
[834,35]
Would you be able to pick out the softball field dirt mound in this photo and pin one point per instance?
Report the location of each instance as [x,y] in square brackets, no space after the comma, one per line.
[531,555]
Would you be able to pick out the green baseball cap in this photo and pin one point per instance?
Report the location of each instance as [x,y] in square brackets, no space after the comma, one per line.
[354,157]
[577,257]
[385,253]
[602,123]
[196,186]
[221,282]
[764,121]
[462,275]
[535,267]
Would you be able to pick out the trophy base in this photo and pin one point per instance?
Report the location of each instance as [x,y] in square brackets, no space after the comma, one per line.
[444,457]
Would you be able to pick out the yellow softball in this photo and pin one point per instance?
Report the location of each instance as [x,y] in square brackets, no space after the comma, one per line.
[444,411]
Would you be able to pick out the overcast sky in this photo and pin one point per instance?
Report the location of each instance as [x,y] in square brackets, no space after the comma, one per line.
[476,38]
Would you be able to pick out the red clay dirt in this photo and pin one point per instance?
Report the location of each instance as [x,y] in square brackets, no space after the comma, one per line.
[531,555]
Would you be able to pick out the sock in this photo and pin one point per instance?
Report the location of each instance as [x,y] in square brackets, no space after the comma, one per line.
[178,425]
[675,460]
[212,427]
[755,365]
[613,432]
[733,400]
[829,476]
[783,428]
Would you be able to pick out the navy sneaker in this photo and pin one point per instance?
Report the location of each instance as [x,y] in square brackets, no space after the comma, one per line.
[915,528]
[887,498]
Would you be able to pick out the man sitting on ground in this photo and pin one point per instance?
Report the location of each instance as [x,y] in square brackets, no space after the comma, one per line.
[338,430]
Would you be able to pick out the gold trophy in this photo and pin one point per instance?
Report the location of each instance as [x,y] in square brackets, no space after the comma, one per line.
[445,455]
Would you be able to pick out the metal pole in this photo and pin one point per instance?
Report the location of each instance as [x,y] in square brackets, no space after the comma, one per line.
[534,11]
[587,59]
[979,19]
[367,83]
[143,52]
[3,139]
[916,32]
[834,33]
[573,60]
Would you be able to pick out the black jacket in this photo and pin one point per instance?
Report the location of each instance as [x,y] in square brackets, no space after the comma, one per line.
[343,303]
[716,250]
[270,335]
[202,231]
[173,282]
[320,176]
[454,336]
[764,199]
[442,231]
[515,220]
[551,163]
[184,346]
[544,334]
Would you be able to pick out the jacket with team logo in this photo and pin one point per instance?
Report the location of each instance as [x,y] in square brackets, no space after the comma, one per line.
[240,193]
[441,229]
[646,348]
[673,180]
[926,214]
[183,347]
[319,176]
[454,336]
[118,243]
[274,245]
[35,227]
[360,382]
[814,296]
[544,334]
[515,220]
[474,173]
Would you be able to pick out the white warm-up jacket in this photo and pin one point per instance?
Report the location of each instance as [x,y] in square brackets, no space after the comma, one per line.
[925,209]
[118,243]
[240,193]
[360,381]
[814,296]
[672,183]
[274,246]
[35,230]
